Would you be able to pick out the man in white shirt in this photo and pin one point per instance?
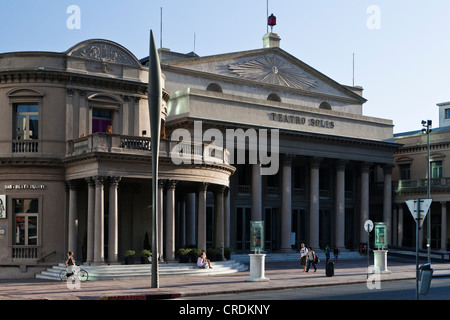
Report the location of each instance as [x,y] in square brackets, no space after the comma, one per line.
[303,254]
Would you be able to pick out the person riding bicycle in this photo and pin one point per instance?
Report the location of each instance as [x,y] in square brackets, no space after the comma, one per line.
[70,264]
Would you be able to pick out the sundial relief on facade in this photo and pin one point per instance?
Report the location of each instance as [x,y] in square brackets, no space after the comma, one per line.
[272,70]
[104,53]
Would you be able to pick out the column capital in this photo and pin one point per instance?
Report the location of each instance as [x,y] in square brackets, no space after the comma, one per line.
[171,184]
[365,166]
[220,189]
[72,184]
[387,168]
[341,164]
[203,187]
[115,181]
[161,183]
[90,181]
[287,158]
[99,181]
[315,162]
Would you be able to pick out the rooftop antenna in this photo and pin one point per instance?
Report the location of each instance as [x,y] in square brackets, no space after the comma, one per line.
[353,69]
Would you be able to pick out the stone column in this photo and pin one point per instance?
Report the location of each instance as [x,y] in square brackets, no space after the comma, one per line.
[394,224]
[201,216]
[400,226]
[364,210]
[99,241]
[219,218]
[90,220]
[314,197]
[113,229]
[72,223]
[227,217]
[161,184]
[340,205]
[443,225]
[286,203]
[387,201]
[170,221]
[256,192]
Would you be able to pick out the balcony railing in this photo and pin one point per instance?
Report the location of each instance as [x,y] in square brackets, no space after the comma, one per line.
[179,152]
[25,146]
[25,252]
[420,185]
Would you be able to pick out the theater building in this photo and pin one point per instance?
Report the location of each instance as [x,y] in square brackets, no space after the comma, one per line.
[75,160]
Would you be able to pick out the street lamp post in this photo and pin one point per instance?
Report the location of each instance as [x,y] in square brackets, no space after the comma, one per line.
[427,131]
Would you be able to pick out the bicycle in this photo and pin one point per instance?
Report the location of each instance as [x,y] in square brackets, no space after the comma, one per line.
[77,273]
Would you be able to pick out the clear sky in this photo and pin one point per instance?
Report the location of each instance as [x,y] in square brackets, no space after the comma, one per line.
[401,47]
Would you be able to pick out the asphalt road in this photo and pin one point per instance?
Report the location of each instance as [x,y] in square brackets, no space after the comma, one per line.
[389,290]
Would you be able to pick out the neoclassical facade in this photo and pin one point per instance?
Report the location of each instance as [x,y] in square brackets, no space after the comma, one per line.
[248,136]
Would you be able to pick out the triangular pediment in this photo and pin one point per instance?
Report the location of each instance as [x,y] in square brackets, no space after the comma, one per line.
[272,67]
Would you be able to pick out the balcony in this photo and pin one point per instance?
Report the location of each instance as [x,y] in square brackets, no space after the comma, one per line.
[179,152]
[420,185]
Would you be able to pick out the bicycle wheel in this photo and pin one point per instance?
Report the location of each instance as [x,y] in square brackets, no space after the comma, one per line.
[62,275]
[83,275]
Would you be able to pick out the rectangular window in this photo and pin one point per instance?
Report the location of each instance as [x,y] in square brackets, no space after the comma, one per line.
[27,122]
[447,113]
[436,169]
[405,171]
[26,222]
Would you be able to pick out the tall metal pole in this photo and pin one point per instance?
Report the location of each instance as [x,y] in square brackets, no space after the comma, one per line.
[154,104]
[417,249]
[428,192]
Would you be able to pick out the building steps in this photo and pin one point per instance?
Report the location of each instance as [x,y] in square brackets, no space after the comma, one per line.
[113,272]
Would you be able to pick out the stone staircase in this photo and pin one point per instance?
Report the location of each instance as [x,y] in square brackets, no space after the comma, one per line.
[134,271]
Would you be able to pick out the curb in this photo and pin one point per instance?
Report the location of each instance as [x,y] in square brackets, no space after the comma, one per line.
[155,296]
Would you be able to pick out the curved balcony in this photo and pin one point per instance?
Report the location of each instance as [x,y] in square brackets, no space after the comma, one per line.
[179,152]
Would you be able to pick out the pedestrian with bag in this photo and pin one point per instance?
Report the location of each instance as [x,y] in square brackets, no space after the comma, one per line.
[311,259]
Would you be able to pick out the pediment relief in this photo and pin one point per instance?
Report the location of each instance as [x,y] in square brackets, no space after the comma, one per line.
[24,92]
[437,156]
[403,160]
[272,70]
[105,52]
[105,99]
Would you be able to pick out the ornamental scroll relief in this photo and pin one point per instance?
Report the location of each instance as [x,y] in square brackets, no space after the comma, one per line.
[272,70]
[104,53]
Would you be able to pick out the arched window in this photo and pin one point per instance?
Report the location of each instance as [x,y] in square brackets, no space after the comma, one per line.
[325,105]
[214,87]
[274,97]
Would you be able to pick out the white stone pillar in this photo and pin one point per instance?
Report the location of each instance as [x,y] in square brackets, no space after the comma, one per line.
[72,223]
[170,222]
[286,203]
[113,226]
[364,210]
[256,192]
[201,216]
[90,220]
[99,241]
[340,205]
[314,198]
[160,235]
[443,225]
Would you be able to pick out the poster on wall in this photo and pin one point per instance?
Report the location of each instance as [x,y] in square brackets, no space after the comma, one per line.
[2,206]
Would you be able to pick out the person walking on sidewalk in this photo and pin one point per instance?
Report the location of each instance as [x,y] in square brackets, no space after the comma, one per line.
[327,253]
[311,260]
[303,254]
[336,254]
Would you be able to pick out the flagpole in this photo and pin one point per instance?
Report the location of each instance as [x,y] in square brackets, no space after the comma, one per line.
[154,104]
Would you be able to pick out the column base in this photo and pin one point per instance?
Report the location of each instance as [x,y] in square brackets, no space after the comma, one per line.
[257,268]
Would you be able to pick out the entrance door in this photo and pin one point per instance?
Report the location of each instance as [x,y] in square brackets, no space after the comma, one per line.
[299,226]
[272,227]
[243,216]
[324,228]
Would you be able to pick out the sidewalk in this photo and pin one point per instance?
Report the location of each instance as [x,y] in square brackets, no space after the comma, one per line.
[281,274]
